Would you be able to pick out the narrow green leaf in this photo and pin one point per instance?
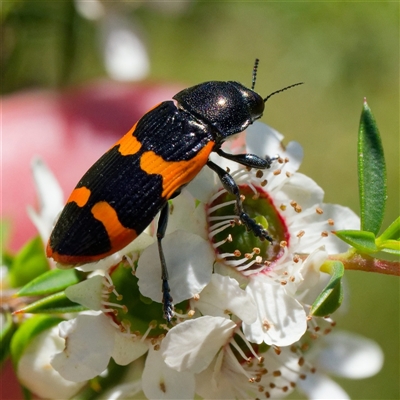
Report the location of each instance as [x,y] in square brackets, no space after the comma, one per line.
[57,303]
[331,297]
[361,240]
[392,232]
[371,173]
[390,246]
[7,329]
[28,331]
[29,263]
[50,282]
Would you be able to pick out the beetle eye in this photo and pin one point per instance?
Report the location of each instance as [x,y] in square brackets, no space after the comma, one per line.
[255,104]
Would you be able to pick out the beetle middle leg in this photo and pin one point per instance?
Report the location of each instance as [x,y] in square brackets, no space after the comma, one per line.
[249,160]
[161,228]
[231,187]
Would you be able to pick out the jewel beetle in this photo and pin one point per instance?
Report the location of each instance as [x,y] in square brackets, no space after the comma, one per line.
[119,196]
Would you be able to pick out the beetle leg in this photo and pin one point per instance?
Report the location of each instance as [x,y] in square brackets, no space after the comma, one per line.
[249,160]
[231,187]
[167,299]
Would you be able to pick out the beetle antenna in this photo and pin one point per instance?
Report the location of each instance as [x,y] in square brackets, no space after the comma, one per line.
[281,90]
[253,79]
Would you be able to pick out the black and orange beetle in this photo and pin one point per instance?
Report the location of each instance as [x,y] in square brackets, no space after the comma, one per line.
[122,192]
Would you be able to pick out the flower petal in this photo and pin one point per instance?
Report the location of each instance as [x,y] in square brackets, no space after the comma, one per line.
[127,349]
[318,386]
[89,341]
[223,294]
[161,382]
[51,198]
[125,55]
[189,260]
[88,292]
[350,355]
[36,374]
[281,318]
[191,345]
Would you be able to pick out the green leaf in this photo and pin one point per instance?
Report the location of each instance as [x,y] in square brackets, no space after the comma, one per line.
[7,329]
[50,282]
[392,232]
[331,297]
[390,246]
[28,331]
[361,240]
[29,263]
[371,173]
[57,303]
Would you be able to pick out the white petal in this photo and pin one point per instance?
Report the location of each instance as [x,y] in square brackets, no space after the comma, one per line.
[318,386]
[126,349]
[263,140]
[36,373]
[281,318]
[183,215]
[125,55]
[344,218]
[224,294]
[88,292]
[51,199]
[310,270]
[161,382]
[301,189]
[88,346]
[91,10]
[350,356]
[204,185]
[189,261]
[191,345]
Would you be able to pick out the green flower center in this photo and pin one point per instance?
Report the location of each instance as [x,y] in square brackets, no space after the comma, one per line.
[234,243]
[133,312]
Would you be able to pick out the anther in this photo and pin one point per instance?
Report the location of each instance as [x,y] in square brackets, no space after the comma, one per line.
[319,210]
[331,221]
[277,172]
[324,233]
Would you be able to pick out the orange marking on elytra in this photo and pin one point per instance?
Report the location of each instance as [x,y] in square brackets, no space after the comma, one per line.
[175,173]
[128,144]
[119,235]
[80,196]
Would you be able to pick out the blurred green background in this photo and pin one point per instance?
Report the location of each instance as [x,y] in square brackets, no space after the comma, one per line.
[343,51]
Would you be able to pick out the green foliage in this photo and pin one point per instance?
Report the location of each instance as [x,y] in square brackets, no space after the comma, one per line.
[331,297]
[28,264]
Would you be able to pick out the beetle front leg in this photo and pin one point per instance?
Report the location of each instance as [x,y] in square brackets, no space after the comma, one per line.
[249,160]
[167,299]
[231,187]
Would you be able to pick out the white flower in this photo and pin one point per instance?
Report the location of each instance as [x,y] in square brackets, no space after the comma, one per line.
[341,354]
[35,372]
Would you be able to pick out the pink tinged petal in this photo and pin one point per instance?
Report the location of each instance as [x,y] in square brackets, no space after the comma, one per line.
[349,355]
[161,382]
[127,349]
[318,386]
[125,55]
[89,342]
[87,293]
[263,140]
[223,295]
[36,373]
[189,261]
[192,345]
[281,318]
[50,196]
